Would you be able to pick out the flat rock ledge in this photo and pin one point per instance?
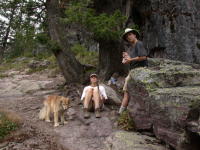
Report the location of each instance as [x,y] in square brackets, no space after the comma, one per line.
[122,140]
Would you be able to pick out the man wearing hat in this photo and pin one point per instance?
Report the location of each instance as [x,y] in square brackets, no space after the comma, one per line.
[93,97]
[136,56]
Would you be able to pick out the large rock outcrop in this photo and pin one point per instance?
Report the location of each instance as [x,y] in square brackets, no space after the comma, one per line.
[170,28]
[165,99]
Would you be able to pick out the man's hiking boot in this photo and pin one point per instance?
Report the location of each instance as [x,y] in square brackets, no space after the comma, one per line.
[86,113]
[97,113]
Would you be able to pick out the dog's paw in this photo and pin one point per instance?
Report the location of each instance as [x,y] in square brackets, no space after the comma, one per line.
[56,124]
[48,120]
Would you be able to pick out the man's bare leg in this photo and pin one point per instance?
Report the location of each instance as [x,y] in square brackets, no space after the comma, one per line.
[125,101]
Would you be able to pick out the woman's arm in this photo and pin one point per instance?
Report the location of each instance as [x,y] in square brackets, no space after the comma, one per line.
[103,92]
[84,92]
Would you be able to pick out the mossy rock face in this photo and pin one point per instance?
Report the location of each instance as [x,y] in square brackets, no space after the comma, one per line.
[122,140]
[165,96]
[167,76]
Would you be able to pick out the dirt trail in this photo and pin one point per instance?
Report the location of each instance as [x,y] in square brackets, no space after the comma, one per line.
[24,94]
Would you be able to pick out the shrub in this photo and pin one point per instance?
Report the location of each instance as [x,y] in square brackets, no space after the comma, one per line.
[85,56]
[103,26]
[8,123]
[125,121]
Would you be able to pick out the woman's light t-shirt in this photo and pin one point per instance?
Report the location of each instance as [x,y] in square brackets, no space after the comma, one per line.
[101,89]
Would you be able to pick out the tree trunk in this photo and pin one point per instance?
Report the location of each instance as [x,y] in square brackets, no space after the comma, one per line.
[7,33]
[1,54]
[70,67]
[110,58]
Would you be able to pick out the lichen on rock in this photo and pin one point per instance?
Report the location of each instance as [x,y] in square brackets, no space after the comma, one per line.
[165,98]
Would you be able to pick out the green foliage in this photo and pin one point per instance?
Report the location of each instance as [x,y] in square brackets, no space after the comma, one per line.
[6,126]
[29,44]
[53,46]
[12,64]
[21,65]
[23,20]
[195,104]
[85,56]
[42,38]
[125,121]
[24,43]
[103,26]
[136,27]
[78,48]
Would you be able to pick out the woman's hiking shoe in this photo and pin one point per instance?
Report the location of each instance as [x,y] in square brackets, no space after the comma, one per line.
[97,113]
[86,113]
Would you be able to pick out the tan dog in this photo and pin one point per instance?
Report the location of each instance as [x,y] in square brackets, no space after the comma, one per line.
[57,105]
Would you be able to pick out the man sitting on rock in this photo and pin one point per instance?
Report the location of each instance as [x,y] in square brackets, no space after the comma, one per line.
[93,97]
[136,57]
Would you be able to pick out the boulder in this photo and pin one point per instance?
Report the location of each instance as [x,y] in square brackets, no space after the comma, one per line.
[122,140]
[164,98]
[38,64]
[113,96]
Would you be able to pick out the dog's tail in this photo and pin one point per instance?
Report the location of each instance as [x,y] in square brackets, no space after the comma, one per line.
[42,113]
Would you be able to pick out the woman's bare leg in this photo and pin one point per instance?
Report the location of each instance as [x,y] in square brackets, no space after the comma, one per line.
[88,98]
[96,98]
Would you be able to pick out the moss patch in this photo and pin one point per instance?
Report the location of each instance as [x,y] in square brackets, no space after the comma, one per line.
[3,76]
[36,70]
[195,104]
[126,122]
[13,64]
[8,122]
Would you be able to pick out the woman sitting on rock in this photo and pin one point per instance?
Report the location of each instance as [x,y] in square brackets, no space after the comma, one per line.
[93,97]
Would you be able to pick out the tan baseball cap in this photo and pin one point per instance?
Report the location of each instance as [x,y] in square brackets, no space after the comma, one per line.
[93,75]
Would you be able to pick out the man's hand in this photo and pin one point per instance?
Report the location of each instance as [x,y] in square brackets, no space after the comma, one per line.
[127,60]
[126,57]
[124,54]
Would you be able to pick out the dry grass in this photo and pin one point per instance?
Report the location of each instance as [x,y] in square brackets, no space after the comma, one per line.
[9,121]
[125,121]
